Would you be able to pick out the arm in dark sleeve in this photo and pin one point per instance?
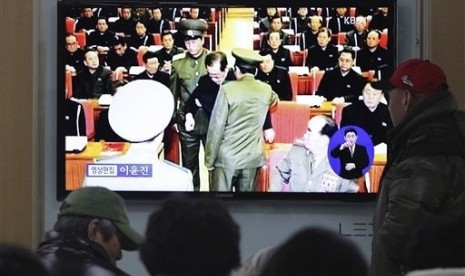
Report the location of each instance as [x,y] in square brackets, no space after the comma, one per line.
[324,89]
[287,88]
[190,106]
[267,124]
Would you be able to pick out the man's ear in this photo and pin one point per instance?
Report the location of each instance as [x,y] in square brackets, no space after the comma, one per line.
[93,230]
[408,100]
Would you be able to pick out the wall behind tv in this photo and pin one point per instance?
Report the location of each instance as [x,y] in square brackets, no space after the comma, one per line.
[27,136]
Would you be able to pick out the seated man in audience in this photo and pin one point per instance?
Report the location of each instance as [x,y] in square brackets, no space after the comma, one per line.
[276,25]
[86,23]
[342,84]
[121,58]
[280,55]
[197,13]
[369,114]
[125,26]
[93,80]
[265,22]
[74,56]
[323,55]
[102,39]
[191,237]
[340,22]
[316,251]
[141,38]
[18,261]
[380,19]
[357,38]
[310,34]
[87,239]
[374,57]
[157,24]
[299,23]
[151,70]
[165,54]
[306,167]
[276,76]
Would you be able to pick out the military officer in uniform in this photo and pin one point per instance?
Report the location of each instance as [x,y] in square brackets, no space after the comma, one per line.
[131,116]
[187,68]
[234,150]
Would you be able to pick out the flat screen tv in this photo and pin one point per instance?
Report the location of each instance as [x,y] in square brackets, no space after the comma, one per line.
[88,141]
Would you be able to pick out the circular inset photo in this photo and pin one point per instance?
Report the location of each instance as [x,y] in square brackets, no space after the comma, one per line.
[350,152]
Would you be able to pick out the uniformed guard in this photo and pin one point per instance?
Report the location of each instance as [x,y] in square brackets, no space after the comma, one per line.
[235,150]
[188,67]
[131,116]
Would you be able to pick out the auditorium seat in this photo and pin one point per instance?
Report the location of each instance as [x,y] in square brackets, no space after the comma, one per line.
[306,84]
[289,121]
[68,85]
[157,38]
[70,25]
[81,38]
[384,39]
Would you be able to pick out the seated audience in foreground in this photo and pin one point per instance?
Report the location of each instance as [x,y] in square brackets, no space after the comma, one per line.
[316,251]
[191,237]
[18,261]
[87,239]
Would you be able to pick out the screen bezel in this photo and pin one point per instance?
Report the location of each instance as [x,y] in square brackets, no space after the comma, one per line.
[249,196]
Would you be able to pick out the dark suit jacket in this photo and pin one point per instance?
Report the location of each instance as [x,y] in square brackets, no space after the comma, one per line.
[360,158]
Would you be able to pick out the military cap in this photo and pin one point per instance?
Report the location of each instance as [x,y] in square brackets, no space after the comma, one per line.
[193,28]
[247,58]
[100,202]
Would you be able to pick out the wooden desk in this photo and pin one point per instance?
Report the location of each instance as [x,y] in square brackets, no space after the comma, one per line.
[76,163]
[376,171]
[327,108]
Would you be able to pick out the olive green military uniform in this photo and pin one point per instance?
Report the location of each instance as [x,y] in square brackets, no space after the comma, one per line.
[235,144]
[187,70]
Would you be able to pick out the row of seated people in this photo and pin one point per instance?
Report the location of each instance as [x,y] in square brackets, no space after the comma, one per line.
[298,19]
[101,31]
[123,20]
[356,37]
[323,54]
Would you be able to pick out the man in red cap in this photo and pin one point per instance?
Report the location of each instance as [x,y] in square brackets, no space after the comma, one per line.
[425,172]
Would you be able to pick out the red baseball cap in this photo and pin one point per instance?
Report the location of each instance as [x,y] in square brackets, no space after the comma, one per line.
[416,75]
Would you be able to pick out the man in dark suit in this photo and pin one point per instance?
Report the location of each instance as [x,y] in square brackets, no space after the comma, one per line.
[370,114]
[353,157]
[151,70]
[280,55]
[276,76]
[342,84]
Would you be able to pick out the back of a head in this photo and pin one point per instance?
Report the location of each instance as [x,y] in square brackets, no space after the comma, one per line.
[191,237]
[17,261]
[438,243]
[316,252]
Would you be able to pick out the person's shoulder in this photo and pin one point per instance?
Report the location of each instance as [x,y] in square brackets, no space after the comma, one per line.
[179,57]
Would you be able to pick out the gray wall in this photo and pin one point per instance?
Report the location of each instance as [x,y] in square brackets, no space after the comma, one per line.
[262,223]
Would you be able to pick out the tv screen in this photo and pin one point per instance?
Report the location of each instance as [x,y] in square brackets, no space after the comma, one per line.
[123,98]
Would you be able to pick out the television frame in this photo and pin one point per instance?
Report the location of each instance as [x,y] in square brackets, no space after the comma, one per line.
[249,196]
